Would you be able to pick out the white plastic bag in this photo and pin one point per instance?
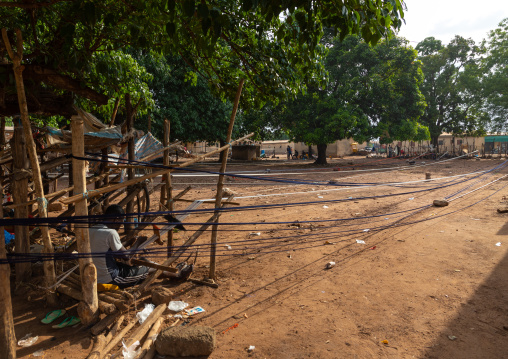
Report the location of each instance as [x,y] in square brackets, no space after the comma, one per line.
[177,305]
[27,341]
[145,313]
[130,352]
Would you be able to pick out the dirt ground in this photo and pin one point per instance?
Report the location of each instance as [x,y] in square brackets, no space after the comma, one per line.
[429,282]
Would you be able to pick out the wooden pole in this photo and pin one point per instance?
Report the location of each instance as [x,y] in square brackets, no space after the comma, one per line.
[168,184]
[115,111]
[150,338]
[20,195]
[7,334]
[131,156]
[151,175]
[220,181]
[49,267]
[88,310]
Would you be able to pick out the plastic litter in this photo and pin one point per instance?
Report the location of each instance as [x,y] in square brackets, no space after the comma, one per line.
[330,265]
[366,230]
[38,353]
[145,313]
[255,234]
[411,198]
[251,348]
[177,305]
[178,316]
[227,246]
[452,337]
[360,241]
[130,352]
[384,341]
[28,340]
[325,206]
[498,244]
[195,310]
[319,196]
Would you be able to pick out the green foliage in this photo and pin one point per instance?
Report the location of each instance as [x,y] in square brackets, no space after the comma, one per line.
[496,79]
[372,92]
[452,87]
[273,44]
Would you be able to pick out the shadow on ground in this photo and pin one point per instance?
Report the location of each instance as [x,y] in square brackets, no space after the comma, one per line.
[478,330]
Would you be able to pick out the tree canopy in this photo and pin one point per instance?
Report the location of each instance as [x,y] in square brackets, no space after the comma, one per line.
[274,45]
[373,91]
[452,87]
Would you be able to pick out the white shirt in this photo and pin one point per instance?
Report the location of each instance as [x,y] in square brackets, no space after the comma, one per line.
[104,239]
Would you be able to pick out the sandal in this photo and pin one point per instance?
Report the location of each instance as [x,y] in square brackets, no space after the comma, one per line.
[68,322]
[51,316]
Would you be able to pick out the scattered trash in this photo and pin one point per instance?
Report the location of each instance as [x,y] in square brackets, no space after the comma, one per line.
[366,230]
[498,244]
[373,247]
[475,219]
[251,258]
[384,341]
[130,352]
[457,270]
[178,316]
[325,206]
[330,265]
[319,196]
[227,246]
[251,348]
[328,242]
[145,313]
[193,311]
[452,337]
[177,305]
[230,328]
[27,340]
[411,198]
[38,353]
[360,241]
[255,234]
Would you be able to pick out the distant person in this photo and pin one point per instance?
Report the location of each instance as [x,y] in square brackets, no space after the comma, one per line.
[288,150]
[296,155]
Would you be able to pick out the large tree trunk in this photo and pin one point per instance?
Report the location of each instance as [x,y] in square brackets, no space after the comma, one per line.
[321,159]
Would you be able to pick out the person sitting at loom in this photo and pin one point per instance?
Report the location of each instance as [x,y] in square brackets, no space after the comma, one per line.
[104,238]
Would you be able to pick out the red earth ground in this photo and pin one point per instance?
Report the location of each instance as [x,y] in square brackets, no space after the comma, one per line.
[427,283]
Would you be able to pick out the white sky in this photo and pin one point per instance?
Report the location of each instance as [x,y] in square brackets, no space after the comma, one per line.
[443,19]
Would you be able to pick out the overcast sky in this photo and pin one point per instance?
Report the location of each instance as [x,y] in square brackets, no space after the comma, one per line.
[443,19]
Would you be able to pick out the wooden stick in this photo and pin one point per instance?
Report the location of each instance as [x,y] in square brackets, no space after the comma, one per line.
[153,265]
[104,323]
[151,175]
[90,307]
[7,334]
[19,188]
[102,340]
[143,328]
[220,181]
[150,338]
[117,303]
[49,266]
[190,200]
[169,188]
[204,282]
[118,337]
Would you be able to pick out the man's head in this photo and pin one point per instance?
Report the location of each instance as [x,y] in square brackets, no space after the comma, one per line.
[115,210]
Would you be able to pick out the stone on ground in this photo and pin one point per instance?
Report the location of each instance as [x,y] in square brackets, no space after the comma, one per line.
[440,203]
[161,295]
[190,341]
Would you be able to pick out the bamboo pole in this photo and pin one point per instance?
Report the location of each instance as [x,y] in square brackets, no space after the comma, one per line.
[220,181]
[7,334]
[168,184]
[88,310]
[150,338]
[127,183]
[20,194]
[129,225]
[49,267]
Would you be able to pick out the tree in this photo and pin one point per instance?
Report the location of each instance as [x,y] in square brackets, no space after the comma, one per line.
[452,87]
[273,44]
[496,79]
[372,92]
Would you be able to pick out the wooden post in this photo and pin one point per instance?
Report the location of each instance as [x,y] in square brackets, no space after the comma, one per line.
[49,267]
[131,155]
[88,310]
[19,195]
[168,185]
[7,334]
[149,129]
[115,111]
[220,181]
